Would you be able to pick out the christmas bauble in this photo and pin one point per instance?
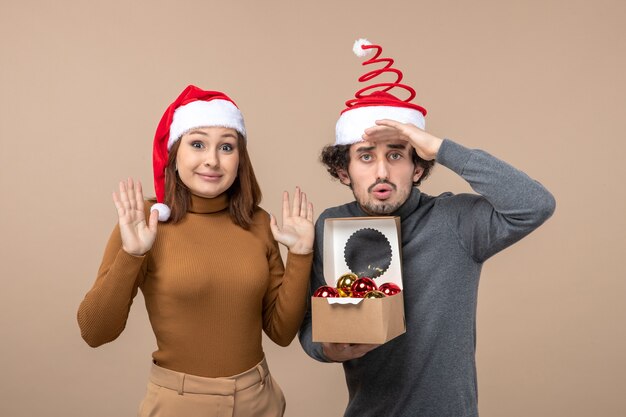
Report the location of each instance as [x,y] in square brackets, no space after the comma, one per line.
[326,291]
[375,294]
[362,286]
[344,284]
[389,288]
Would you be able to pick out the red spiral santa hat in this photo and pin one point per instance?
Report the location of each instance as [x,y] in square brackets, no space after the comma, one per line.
[362,111]
[192,109]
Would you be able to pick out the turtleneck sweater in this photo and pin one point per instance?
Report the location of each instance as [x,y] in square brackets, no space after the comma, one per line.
[430,370]
[210,288]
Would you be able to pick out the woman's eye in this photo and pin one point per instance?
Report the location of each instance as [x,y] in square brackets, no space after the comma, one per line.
[197,145]
[227,147]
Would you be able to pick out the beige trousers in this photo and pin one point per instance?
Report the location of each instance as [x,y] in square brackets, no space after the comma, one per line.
[253,393]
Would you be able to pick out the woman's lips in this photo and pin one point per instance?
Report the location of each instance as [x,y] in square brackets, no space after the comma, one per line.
[209,176]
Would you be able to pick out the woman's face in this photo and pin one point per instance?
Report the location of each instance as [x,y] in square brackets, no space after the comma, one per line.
[207,160]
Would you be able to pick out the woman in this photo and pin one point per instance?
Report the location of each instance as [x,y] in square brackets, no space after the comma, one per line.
[211,273]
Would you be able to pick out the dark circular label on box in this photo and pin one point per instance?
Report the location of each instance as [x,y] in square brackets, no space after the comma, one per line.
[367,253]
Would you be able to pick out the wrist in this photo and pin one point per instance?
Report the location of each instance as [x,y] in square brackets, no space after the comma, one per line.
[434,147]
[132,253]
[301,249]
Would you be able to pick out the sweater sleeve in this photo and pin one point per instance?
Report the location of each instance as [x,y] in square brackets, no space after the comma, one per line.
[314,349]
[285,301]
[509,204]
[103,313]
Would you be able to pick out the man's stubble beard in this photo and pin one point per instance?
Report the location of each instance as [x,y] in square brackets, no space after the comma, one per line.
[379,209]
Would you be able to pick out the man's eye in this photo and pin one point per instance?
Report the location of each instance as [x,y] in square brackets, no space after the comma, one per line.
[395,156]
[366,157]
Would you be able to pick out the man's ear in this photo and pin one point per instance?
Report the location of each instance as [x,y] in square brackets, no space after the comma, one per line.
[418,172]
[343,177]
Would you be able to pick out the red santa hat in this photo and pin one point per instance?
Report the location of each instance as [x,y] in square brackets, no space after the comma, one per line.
[362,111]
[193,108]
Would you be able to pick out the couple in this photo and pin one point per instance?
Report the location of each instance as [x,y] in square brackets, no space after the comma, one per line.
[213,278]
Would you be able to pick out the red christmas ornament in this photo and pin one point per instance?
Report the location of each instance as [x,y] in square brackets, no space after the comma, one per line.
[326,291]
[389,288]
[362,286]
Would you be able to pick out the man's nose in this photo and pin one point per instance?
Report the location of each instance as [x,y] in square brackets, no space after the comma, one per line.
[382,170]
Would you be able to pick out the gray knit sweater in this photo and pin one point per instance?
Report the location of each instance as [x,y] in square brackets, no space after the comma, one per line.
[430,370]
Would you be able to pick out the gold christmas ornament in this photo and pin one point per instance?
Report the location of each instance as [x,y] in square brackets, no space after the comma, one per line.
[344,284]
[375,294]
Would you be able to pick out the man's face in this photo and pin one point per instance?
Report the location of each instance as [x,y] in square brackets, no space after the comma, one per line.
[381,175]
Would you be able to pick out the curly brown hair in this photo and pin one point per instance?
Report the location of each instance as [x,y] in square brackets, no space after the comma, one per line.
[337,157]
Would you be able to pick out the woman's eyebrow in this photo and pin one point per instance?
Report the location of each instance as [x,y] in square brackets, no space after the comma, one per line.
[197,131]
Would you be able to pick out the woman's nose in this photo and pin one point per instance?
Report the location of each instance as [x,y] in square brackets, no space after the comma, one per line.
[211,159]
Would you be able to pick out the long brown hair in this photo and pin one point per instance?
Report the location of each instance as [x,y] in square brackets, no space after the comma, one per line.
[245,193]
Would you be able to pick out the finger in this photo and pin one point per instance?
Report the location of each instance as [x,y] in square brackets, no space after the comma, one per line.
[295,207]
[124,195]
[285,205]
[380,133]
[389,122]
[309,214]
[362,349]
[153,221]
[131,194]
[118,204]
[303,205]
[374,130]
[383,131]
[139,197]
[339,347]
[274,226]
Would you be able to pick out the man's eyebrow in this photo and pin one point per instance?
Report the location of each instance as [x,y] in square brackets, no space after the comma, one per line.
[397,146]
[365,148]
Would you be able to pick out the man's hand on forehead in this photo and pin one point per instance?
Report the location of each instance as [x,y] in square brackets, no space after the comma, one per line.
[384,133]
[425,144]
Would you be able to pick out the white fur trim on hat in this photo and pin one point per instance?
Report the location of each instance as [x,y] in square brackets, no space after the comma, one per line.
[352,123]
[164,211]
[200,113]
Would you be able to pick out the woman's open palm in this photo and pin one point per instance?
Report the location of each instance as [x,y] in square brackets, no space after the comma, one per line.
[297,231]
[137,235]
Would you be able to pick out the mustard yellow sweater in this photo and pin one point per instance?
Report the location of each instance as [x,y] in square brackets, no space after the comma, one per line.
[209,287]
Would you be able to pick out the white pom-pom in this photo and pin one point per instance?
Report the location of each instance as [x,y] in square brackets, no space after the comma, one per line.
[164,211]
[357,48]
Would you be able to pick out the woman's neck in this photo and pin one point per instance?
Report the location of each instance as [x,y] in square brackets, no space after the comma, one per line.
[204,205]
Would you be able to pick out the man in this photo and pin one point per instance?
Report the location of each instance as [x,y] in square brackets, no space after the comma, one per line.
[430,370]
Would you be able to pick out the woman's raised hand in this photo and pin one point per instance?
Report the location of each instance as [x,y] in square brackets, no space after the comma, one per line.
[298,230]
[137,236]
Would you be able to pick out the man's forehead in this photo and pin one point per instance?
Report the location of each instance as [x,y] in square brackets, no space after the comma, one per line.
[365,146]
